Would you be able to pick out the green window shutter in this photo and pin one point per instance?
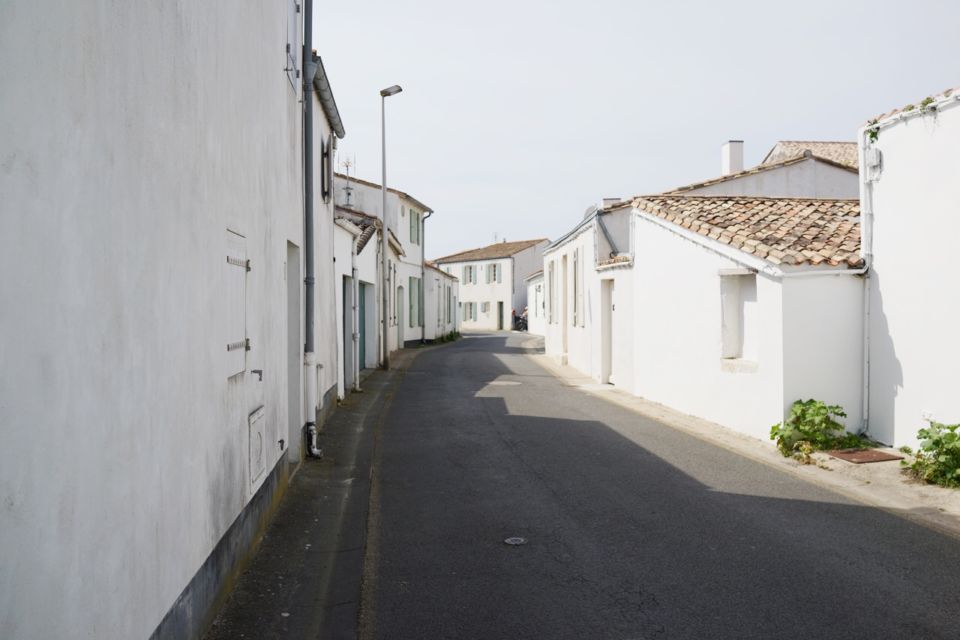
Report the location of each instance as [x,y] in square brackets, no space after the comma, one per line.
[410,310]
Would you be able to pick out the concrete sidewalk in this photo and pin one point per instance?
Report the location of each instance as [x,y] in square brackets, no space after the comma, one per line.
[883,485]
[305,578]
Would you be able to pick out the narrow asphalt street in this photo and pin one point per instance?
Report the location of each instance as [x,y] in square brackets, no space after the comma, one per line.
[633,529]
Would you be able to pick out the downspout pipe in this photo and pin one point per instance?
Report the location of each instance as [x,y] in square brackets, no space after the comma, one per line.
[866,213]
[309,280]
[354,279]
[423,276]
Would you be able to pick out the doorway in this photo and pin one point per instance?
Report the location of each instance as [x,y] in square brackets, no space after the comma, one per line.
[347,333]
[400,300]
[294,356]
[500,315]
[362,322]
[607,308]
[563,305]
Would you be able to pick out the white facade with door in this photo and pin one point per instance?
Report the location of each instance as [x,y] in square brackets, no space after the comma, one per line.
[442,295]
[587,296]
[536,304]
[493,282]
[911,193]
[684,320]
[406,219]
[151,329]
[487,293]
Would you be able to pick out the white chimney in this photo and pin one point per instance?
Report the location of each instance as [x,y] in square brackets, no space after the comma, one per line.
[731,157]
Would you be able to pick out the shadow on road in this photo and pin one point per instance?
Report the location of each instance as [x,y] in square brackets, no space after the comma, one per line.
[634,529]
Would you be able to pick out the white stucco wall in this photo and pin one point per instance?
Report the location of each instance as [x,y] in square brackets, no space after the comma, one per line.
[536,306]
[525,263]
[126,446]
[810,178]
[914,299]
[823,342]
[440,316]
[677,336]
[581,329]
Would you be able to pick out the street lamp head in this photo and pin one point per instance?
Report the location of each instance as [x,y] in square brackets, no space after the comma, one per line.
[390,91]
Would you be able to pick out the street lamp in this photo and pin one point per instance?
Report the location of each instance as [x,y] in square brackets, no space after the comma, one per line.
[384,228]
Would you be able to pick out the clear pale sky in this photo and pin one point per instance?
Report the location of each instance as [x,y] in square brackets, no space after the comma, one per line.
[516,116]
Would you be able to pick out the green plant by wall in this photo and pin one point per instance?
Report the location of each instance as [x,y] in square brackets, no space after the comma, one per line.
[937,460]
[873,131]
[812,426]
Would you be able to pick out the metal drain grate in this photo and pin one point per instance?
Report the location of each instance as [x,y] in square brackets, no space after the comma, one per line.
[862,456]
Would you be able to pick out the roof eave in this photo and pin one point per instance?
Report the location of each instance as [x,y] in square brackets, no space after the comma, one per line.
[321,86]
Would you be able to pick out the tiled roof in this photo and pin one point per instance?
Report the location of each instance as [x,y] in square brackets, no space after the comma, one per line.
[843,153]
[491,252]
[917,105]
[767,166]
[789,231]
[431,265]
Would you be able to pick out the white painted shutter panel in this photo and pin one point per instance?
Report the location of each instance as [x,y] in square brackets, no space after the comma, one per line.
[235,287]
[499,269]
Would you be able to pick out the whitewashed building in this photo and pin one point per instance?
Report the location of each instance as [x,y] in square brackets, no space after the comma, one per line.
[791,169]
[665,296]
[727,308]
[442,295]
[911,208]
[406,221]
[492,281]
[536,304]
[155,387]
[357,274]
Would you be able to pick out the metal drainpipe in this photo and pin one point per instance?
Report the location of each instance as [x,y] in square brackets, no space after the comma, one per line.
[309,356]
[355,283]
[866,213]
[423,276]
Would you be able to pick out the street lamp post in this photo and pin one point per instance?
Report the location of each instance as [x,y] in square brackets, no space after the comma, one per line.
[384,227]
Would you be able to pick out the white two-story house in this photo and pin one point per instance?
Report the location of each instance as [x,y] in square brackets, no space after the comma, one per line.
[406,269]
[493,281]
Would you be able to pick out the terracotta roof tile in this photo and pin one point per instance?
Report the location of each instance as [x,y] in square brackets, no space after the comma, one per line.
[910,107]
[491,252]
[793,231]
[842,153]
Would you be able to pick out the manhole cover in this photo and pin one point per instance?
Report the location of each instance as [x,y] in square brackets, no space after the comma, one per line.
[515,540]
[861,456]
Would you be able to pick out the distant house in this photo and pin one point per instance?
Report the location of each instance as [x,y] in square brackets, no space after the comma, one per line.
[492,286]
[911,209]
[789,170]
